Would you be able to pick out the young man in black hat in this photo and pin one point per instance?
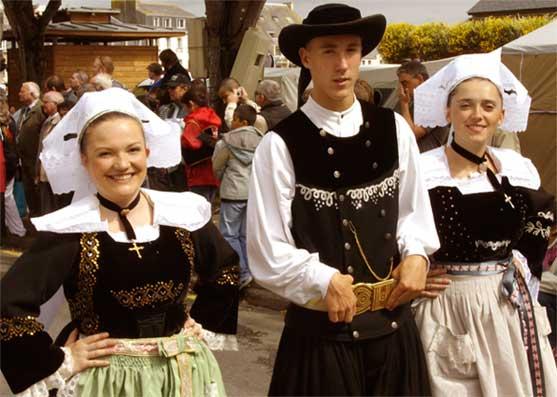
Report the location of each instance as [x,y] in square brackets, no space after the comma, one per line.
[339,222]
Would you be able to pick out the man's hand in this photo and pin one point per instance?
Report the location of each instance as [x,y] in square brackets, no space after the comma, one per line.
[411,275]
[340,299]
[403,95]
[231,97]
[435,285]
[243,94]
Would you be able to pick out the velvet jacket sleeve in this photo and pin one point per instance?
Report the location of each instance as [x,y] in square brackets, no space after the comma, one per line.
[27,351]
[216,265]
[537,228]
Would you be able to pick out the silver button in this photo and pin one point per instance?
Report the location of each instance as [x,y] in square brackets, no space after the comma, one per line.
[347,246]
[345,222]
[355,334]
[331,151]
[350,270]
[388,236]
[394,325]
[366,124]
[368,143]
[341,197]
[336,174]
[383,212]
[322,132]
[374,165]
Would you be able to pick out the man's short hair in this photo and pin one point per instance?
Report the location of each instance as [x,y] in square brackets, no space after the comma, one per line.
[168,56]
[245,112]
[270,89]
[33,88]
[81,75]
[54,83]
[107,63]
[155,68]
[228,85]
[198,95]
[413,68]
[53,96]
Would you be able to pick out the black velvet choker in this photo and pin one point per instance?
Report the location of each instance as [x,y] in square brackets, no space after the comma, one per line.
[122,213]
[483,167]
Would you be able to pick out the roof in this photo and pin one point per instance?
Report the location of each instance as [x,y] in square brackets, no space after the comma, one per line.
[163,10]
[103,32]
[503,6]
[540,41]
[275,16]
[93,10]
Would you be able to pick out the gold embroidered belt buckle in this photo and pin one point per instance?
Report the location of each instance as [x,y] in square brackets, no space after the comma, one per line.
[372,297]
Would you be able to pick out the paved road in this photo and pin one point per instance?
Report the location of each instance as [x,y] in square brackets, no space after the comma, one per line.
[246,372]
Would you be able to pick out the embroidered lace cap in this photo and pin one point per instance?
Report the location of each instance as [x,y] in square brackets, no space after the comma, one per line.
[61,158]
[430,98]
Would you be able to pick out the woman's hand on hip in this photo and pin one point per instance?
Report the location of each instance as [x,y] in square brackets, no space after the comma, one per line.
[86,352]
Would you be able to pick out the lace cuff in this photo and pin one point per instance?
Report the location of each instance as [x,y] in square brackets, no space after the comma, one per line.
[55,381]
[219,341]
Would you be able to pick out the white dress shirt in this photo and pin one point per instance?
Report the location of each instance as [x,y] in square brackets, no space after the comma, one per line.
[294,273]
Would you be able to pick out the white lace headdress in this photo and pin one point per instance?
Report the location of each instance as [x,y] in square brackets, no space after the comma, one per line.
[430,97]
[61,158]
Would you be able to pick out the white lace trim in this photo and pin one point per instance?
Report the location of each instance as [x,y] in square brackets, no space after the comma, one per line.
[537,229]
[220,341]
[546,215]
[55,381]
[326,198]
[493,245]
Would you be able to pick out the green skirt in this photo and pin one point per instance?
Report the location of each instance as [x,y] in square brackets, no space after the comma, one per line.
[176,366]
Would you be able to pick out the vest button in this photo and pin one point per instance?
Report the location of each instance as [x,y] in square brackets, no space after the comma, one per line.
[322,132]
[350,270]
[366,124]
[374,165]
[368,143]
[341,197]
[383,212]
[336,174]
[345,222]
[388,236]
[331,151]
[394,325]
[347,246]
[355,334]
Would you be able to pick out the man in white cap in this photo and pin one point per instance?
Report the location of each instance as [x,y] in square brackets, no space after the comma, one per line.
[339,223]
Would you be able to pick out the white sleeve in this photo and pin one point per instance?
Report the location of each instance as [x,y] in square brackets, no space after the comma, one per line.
[274,260]
[55,381]
[416,232]
[229,113]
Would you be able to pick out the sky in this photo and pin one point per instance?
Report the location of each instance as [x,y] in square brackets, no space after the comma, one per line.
[411,11]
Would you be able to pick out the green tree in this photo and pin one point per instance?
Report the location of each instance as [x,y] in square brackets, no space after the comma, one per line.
[397,44]
[431,40]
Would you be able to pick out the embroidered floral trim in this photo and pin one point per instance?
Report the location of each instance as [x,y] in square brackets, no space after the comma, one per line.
[537,229]
[16,327]
[546,215]
[326,198]
[493,245]
[148,294]
[229,275]
[81,306]
[184,237]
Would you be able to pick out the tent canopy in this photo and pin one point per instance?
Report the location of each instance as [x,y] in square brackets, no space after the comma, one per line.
[540,41]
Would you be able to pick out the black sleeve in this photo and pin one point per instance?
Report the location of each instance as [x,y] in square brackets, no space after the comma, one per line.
[216,265]
[537,228]
[27,352]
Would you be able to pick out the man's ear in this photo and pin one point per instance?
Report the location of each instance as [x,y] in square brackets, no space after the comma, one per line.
[303,53]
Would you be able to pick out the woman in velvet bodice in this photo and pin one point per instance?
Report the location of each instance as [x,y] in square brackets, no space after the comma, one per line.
[125,258]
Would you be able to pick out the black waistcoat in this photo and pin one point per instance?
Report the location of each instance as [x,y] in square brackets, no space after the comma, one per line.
[342,185]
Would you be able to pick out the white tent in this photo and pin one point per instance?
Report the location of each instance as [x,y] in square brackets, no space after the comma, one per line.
[533,59]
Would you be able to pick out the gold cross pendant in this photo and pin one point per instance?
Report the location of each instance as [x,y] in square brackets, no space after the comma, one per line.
[137,249]
[508,200]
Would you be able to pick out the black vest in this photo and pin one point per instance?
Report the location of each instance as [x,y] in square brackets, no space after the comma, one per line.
[342,185]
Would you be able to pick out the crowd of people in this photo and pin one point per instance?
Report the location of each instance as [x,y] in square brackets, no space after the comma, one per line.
[408,274]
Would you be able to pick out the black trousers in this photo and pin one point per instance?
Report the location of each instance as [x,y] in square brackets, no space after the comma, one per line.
[391,365]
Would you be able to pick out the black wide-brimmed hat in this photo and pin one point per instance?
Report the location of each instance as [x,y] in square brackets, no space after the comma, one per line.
[327,20]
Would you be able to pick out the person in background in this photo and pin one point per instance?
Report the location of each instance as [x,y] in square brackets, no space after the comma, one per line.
[172,66]
[198,140]
[268,97]
[101,81]
[56,83]
[177,86]
[77,80]
[104,65]
[30,122]
[155,73]
[232,160]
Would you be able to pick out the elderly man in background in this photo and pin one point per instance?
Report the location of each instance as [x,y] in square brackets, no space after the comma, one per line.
[78,79]
[104,65]
[268,97]
[29,125]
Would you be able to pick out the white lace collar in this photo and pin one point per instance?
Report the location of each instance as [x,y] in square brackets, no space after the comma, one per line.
[185,210]
[340,124]
[518,169]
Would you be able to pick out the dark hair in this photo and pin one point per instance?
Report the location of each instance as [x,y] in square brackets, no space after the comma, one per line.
[54,83]
[111,116]
[245,113]
[413,68]
[168,56]
[452,93]
[197,94]
[155,68]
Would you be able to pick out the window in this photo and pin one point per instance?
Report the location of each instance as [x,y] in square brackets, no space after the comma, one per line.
[181,23]
[167,22]
[156,22]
